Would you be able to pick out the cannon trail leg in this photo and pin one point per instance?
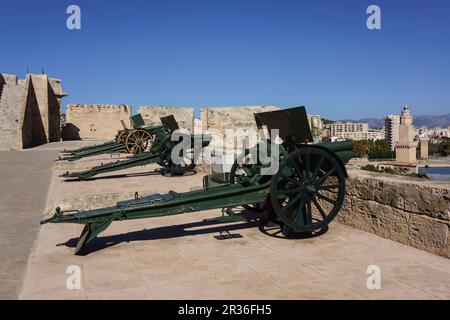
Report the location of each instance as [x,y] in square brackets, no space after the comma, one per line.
[82,239]
[91,230]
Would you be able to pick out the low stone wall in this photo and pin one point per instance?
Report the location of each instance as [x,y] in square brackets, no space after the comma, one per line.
[240,119]
[95,121]
[413,212]
[221,118]
[184,116]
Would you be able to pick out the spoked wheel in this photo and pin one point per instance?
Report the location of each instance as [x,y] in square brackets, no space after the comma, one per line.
[308,190]
[243,173]
[139,141]
[121,136]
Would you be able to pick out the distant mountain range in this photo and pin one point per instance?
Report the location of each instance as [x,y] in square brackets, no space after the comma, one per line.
[428,121]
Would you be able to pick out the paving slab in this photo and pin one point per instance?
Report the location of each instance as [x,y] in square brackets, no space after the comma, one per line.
[24,182]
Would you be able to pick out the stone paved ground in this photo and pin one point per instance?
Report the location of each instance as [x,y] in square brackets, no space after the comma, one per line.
[177,257]
[24,181]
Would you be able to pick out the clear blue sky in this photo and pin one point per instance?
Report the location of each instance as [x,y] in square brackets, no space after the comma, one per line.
[250,52]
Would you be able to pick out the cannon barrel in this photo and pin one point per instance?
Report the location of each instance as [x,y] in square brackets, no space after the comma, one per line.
[108,147]
[338,146]
[137,160]
[85,148]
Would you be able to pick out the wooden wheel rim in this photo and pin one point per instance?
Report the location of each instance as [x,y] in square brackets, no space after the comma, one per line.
[139,141]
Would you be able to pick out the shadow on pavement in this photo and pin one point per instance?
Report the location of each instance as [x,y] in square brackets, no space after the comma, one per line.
[215,225]
[166,232]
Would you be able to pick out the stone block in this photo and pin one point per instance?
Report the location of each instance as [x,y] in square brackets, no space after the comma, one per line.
[411,212]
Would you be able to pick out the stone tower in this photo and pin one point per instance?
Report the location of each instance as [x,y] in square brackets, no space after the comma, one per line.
[405,150]
[423,143]
[29,111]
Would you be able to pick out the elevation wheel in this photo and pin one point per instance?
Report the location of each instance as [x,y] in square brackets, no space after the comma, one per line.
[308,190]
[245,173]
[121,136]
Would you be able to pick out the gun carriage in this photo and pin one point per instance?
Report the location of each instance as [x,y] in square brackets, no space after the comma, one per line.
[160,151]
[303,196]
[136,140]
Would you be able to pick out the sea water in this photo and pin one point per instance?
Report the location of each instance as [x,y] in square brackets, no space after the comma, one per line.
[436,173]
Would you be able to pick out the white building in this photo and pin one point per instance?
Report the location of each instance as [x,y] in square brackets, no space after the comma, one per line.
[440,132]
[421,132]
[375,134]
[349,130]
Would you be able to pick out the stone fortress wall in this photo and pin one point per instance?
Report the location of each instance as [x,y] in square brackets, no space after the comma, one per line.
[217,121]
[183,115]
[407,210]
[29,111]
[54,107]
[99,122]
[95,121]
[103,121]
[12,102]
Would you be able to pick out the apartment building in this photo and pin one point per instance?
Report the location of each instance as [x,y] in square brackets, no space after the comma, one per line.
[349,130]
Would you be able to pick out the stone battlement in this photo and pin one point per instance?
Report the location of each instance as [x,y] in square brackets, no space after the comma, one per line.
[88,108]
[29,111]
[407,210]
[222,118]
[183,115]
[95,121]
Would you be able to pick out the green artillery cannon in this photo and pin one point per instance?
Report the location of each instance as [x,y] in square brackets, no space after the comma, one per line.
[159,152]
[303,196]
[134,141]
